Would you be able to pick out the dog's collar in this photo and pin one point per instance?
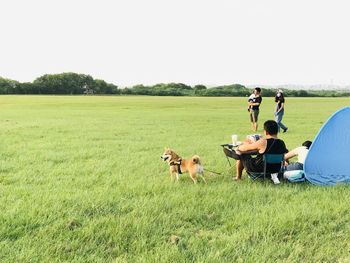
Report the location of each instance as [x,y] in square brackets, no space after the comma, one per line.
[177,162]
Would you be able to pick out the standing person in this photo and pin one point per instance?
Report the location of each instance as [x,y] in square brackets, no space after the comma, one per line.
[279,112]
[254,104]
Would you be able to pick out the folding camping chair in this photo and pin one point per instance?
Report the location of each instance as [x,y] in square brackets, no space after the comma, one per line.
[268,159]
[228,146]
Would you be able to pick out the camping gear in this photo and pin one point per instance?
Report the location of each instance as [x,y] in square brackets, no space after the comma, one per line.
[327,162]
[230,147]
[234,139]
[254,137]
[268,159]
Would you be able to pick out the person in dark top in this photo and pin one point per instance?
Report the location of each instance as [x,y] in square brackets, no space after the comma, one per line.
[268,144]
[254,104]
[279,112]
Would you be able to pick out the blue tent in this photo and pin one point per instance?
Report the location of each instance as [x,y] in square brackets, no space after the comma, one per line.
[328,162]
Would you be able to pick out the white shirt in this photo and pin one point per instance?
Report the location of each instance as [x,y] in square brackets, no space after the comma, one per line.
[251,97]
[301,152]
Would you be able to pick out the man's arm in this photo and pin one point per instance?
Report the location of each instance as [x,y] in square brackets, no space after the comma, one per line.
[257,103]
[290,155]
[252,147]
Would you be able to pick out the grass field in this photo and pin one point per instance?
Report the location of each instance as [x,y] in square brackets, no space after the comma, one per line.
[81,180]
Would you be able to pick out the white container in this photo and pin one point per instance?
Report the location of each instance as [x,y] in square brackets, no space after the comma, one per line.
[234,139]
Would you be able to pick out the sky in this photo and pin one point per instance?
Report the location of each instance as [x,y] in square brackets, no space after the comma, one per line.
[127,42]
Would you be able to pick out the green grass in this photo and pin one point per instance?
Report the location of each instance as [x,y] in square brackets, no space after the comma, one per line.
[81,180]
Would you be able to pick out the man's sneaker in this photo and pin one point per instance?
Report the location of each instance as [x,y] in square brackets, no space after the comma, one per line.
[285,130]
[275,178]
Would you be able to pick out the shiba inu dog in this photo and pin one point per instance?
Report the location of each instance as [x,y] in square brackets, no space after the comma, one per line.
[178,165]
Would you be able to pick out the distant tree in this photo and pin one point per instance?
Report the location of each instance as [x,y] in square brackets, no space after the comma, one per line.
[64,83]
[198,89]
[236,90]
[73,83]
[8,86]
[141,90]
[126,91]
[24,88]
[268,92]
[303,93]
[102,87]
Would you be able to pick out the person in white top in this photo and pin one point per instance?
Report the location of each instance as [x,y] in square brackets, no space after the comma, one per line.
[301,152]
[250,100]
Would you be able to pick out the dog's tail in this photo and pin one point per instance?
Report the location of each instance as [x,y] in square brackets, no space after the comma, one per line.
[196,159]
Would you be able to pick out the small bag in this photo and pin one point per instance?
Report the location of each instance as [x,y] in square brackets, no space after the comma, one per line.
[254,137]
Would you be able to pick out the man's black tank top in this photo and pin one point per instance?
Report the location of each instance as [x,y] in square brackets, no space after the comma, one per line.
[274,146]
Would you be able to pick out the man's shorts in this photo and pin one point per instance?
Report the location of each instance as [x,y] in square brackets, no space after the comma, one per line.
[250,164]
[254,115]
[294,166]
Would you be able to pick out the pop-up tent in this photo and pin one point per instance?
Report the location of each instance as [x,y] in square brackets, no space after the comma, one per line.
[328,160]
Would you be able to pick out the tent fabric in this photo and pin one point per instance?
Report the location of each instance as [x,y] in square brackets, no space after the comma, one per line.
[327,162]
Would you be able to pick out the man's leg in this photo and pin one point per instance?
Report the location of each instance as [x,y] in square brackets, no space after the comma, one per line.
[255,123]
[252,119]
[278,119]
[255,114]
[239,170]
[239,164]
[255,120]
[283,127]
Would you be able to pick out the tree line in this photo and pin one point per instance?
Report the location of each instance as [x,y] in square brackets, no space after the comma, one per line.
[64,83]
[73,83]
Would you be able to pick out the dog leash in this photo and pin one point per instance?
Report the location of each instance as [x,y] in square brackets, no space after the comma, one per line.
[205,169]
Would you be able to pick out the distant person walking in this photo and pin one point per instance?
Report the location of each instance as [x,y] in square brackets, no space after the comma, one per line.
[254,104]
[279,112]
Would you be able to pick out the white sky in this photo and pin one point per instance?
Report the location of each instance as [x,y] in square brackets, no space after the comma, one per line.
[191,41]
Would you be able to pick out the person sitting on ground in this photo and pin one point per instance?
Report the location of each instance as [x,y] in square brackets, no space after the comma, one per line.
[301,152]
[268,144]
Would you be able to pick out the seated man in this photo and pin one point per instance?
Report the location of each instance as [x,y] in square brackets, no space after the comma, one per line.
[269,144]
[301,153]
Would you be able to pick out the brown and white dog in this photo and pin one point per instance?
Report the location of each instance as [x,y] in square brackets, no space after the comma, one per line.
[178,166]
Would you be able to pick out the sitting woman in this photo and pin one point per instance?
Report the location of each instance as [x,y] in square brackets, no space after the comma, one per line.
[268,144]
